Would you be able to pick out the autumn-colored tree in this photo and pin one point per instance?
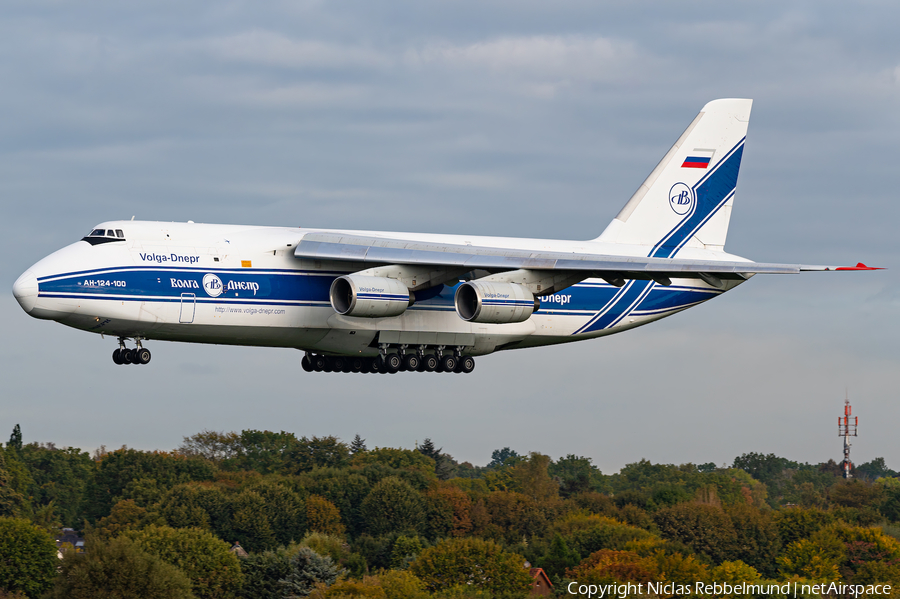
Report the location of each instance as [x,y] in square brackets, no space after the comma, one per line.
[125,515]
[449,511]
[323,516]
[856,494]
[532,479]
[470,561]
[327,546]
[27,557]
[588,533]
[344,488]
[796,523]
[118,570]
[607,566]
[206,560]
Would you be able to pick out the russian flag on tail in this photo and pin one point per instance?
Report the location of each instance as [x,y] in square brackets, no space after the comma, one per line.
[699,158]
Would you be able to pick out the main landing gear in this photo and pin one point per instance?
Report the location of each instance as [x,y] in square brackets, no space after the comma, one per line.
[391,362]
[137,355]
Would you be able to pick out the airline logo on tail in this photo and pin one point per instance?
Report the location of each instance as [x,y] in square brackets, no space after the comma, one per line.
[681,198]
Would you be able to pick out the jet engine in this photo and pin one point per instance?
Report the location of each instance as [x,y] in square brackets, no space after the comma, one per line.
[498,303]
[369,297]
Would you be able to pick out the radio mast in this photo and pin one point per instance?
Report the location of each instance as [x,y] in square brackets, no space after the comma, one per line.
[847,426]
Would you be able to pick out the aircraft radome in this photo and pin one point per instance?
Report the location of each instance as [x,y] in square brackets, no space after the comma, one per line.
[367,301]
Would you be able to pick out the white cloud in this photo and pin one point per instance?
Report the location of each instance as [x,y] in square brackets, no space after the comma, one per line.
[273,49]
[546,62]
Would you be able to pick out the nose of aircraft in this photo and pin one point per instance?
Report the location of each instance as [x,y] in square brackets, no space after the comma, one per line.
[26,290]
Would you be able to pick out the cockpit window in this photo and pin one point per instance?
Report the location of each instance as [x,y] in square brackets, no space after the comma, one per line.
[100,236]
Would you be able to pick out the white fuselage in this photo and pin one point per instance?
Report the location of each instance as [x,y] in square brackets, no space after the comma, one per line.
[242,285]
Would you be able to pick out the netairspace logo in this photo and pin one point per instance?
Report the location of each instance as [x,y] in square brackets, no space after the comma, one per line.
[718,589]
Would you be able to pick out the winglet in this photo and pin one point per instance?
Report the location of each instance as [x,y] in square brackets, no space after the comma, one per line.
[859,266]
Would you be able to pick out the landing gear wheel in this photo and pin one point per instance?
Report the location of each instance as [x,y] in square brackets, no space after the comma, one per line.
[378,365]
[127,356]
[430,362]
[411,361]
[142,356]
[338,363]
[306,364]
[392,363]
[449,362]
[357,364]
[319,363]
[467,364]
[117,357]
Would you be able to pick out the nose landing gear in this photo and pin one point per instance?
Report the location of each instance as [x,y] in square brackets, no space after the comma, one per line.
[136,355]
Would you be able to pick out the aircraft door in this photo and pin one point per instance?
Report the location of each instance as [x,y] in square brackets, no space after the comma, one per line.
[188,304]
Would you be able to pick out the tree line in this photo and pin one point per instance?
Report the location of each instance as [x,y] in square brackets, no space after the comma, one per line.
[323,518]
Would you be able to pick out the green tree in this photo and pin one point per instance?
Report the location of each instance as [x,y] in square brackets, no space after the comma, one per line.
[27,557]
[214,571]
[317,452]
[398,459]
[559,557]
[263,572]
[499,457]
[704,528]
[358,445]
[118,570]
[875,469]
[575,474]
[763,468]
[471,561]
[211,445]
[307,569]
[116,469]
[14,482]
[757,539]
[59,476]
[15,439]
[264,451]
[393,505]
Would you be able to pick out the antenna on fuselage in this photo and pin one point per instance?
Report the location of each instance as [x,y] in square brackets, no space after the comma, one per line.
[132,217]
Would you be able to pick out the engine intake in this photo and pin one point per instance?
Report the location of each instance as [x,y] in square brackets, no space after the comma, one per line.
[498,303]
[369,297]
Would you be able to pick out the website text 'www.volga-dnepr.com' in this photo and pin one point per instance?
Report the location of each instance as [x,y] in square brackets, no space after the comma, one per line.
[788,589]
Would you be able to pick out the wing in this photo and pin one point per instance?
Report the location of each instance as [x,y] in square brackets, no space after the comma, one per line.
[382,251]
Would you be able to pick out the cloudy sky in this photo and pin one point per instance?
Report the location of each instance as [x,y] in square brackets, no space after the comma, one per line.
[532,119]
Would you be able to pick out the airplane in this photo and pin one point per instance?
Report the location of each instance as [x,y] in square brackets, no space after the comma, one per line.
[371,301]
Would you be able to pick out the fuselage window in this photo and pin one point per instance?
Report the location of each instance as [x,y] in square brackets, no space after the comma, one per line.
[119,233]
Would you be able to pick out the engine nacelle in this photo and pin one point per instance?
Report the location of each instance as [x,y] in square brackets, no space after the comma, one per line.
[369,297]
[498,303]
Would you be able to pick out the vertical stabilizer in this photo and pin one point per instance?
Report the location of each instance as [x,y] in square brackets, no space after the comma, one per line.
[686,201]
